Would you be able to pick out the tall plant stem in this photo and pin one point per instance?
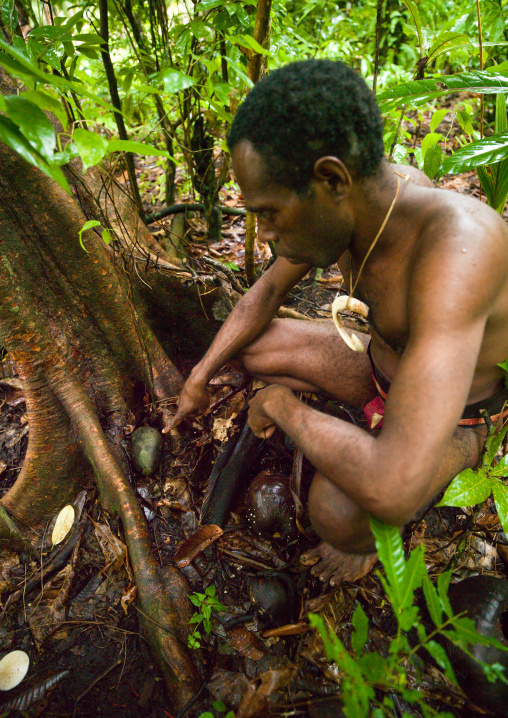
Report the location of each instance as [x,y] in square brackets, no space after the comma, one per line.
[115,99]
[378,42]
[256,67]
[480,42]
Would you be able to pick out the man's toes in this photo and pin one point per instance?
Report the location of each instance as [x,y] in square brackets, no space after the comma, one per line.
[310,557]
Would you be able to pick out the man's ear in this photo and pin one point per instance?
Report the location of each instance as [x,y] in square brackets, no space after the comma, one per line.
[333,172]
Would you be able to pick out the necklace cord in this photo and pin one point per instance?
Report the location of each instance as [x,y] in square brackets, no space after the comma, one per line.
[385,221]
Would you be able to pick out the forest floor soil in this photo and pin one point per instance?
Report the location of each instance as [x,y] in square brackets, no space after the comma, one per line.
[91,660]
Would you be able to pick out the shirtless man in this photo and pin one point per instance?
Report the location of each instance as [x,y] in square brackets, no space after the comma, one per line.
[307,152]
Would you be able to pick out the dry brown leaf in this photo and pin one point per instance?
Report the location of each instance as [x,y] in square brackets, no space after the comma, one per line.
[128,597]
[291,629]
[227,687]
[220,428]
[196,544]
[50,612]
[63,524]
[246,643]
[114,550]
[254,702]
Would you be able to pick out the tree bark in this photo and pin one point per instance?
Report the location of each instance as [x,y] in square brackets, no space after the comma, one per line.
[256,66]
[80,327]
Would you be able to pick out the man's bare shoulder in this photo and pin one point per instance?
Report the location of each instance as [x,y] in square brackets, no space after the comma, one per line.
[461,237]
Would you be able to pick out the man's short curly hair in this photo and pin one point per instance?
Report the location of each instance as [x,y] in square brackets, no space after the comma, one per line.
[307,110]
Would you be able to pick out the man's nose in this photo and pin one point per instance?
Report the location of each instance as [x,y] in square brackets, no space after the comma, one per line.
[266,234]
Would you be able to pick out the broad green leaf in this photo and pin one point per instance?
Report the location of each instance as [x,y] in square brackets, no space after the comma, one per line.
[46,102]
[360,634]
[239,71]
[438,117]
[206,5]
[74,19]
[90,38]
[408,617]
[500,491]
[88,225]
[174,80]
[373,666]
[502,68]
[415,15]
[438,653]
[500,470]
[391,554]
[415,571]
[50,32]
[432,600]
[202,31]
[91,147]
[20,66]
[501,123]
[432,161]
[464,119]
[429,141]
[248,41]
[484,152]
[465,634]
[492,444]
[417,92]
[443,582]
[446,42]
[9,14]
[106,236]
[33,123]
[12,137]
[467,489]
[138,147]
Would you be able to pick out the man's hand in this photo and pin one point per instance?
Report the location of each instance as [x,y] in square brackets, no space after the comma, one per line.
[194,400]
[260,420]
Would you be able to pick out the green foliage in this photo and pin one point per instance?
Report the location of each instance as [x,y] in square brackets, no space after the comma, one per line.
[418,92]
[106,233]
[206,603]
[367,674]
[220,708]
[471,487]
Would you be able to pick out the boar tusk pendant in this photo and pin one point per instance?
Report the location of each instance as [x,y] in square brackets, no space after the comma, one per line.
[340,303]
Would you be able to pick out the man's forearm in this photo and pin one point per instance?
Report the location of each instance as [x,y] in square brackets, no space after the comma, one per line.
[249,318]
[346,455]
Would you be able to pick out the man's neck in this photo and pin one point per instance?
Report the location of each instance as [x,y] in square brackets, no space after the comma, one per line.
[371,200]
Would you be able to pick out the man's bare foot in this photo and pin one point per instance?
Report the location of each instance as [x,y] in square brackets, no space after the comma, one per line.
[334,566]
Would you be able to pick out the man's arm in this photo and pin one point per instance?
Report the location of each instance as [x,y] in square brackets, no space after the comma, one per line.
[391,476]
[247,321]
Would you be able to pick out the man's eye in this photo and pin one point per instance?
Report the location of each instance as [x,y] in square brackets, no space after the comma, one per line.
[267,214]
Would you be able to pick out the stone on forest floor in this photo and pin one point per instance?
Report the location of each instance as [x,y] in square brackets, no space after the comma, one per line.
[146,449]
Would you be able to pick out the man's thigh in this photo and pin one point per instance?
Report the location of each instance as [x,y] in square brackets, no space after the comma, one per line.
[310,356]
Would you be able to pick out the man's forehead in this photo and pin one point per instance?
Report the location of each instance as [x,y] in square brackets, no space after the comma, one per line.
[251,174]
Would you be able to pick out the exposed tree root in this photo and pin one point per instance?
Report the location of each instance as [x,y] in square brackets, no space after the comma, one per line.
[68,320]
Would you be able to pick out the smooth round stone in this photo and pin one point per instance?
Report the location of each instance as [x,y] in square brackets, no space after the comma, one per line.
[146,448]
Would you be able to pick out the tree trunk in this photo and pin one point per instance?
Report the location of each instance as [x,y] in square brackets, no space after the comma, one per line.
[80,344]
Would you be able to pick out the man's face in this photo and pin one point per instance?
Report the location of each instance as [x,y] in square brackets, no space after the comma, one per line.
[308,228]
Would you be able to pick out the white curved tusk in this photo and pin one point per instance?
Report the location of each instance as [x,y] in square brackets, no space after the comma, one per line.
[340,303]
[343,301]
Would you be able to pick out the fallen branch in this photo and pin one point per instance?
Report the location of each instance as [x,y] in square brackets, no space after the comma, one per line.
[191,207]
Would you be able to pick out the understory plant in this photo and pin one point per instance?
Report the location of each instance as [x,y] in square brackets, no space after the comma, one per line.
[473,486]
[205,603]
[371,680]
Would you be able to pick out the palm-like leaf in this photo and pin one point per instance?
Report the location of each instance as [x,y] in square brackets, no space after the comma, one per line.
[417,92]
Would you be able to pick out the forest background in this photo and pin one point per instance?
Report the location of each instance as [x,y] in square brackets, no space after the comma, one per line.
[90,88]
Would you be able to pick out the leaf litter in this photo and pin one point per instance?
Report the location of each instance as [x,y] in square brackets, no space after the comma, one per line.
[79,622]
